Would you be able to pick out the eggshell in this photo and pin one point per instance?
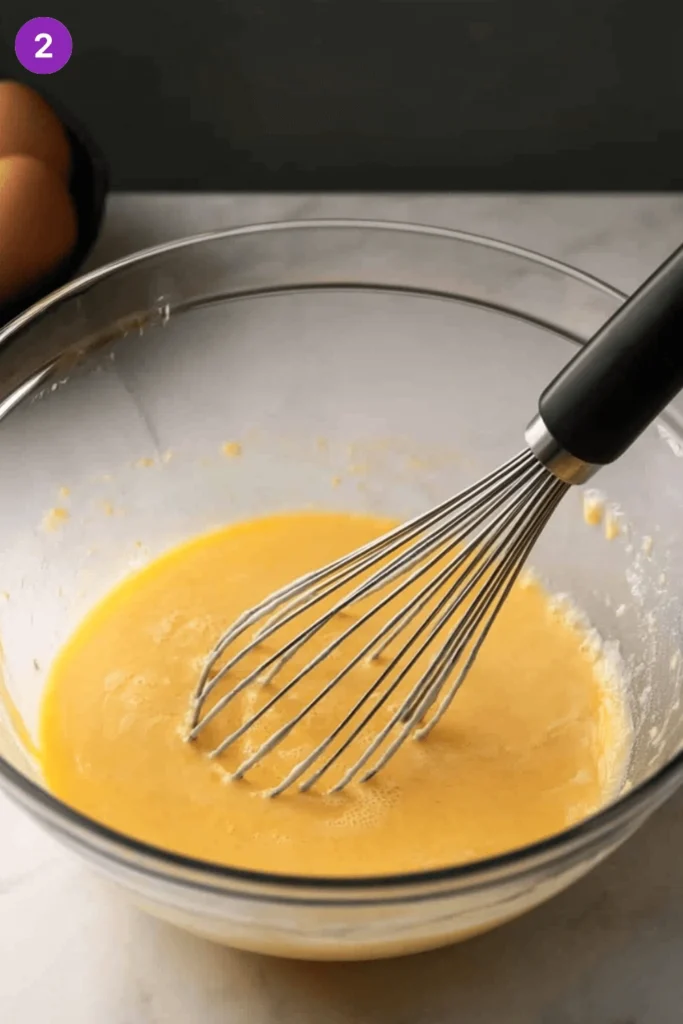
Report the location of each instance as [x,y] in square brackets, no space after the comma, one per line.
[38,223]
[29,126]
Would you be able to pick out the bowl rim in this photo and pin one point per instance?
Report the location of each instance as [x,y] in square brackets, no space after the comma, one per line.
[118,846]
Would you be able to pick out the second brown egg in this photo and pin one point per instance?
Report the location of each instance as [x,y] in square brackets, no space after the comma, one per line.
[38,224]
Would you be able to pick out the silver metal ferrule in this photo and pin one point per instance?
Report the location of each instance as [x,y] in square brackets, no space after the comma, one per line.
[554,457]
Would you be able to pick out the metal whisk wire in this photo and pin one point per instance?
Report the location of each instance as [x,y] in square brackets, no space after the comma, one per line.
[474,545]
[479,528]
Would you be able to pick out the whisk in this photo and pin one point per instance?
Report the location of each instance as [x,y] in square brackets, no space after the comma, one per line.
[448,571]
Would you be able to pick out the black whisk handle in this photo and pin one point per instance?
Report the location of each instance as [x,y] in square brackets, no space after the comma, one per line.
[622,379]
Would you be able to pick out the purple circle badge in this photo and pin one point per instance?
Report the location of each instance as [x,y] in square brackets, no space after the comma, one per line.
[43,45]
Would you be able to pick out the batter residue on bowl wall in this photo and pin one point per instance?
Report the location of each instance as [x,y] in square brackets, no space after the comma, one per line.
[536,740]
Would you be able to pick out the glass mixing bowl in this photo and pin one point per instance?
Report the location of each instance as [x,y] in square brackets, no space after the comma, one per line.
[395,362]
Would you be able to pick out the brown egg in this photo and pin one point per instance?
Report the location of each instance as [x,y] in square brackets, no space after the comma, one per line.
[38,224]
[29,126]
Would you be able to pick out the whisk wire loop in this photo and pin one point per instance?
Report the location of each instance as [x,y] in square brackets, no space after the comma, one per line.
[474,546]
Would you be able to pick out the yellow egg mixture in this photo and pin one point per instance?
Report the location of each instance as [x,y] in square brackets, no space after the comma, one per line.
[536,739]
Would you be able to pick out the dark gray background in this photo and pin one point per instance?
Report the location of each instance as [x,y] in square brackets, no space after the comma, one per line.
[389,94]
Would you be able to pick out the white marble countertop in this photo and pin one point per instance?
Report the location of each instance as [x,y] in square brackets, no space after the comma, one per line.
[608,951]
